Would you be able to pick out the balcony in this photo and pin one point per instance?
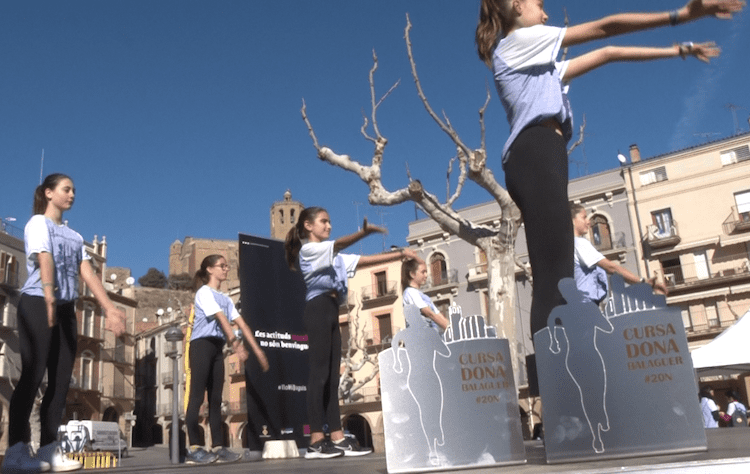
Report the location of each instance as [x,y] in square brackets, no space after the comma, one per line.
[736,222]
[118,355]
[659,238]
[442,283]
[379,294]
[167,378]
[726,270]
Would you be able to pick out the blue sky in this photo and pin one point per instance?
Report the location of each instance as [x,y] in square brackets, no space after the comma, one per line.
[182,118]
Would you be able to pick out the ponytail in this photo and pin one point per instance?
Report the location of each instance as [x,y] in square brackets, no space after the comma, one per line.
[201,277]
[293,241]
[495,17]
[40,198]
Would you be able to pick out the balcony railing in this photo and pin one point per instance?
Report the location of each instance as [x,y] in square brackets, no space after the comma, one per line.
[736,221]
[732,267]
[659,237]
[383,290]
[448,277]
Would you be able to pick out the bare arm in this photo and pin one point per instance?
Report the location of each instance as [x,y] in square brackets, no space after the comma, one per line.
[115,321]
[439,319]
[47,275]
[387,257]
[623,23]
[613,267]
[248,336]
[609,54]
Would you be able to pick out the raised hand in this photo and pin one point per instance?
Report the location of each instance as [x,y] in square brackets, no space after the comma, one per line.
[722,9]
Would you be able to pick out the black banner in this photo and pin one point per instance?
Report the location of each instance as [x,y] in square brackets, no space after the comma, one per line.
[272,302]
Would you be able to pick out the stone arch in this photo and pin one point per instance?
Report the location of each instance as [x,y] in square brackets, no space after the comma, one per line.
[111,414]
[358,425]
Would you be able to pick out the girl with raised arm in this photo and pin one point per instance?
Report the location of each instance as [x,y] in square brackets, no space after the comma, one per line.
[325,272]
[47,326]
[514,41]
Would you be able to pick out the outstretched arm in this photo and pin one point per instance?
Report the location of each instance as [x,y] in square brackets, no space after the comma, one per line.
[386,257]
[623,23]
[351,239]
[587,62]
[613,267]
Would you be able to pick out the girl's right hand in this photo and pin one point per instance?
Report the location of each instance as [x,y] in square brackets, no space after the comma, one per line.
[371,229]
[722,9]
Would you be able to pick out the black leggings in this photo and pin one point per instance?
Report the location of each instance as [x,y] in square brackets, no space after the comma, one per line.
[206,373]
[536,175]
[321,319]
[42,348]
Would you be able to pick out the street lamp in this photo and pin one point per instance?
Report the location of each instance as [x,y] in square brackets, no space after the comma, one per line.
[174,336]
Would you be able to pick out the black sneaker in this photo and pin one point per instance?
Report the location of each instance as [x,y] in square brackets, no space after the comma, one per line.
[351,447]
[199,456]
[225,455]
[323,449]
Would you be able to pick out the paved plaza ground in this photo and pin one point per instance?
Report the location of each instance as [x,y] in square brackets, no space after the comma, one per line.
[728,452]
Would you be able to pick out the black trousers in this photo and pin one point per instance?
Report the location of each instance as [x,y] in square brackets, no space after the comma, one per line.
[42,349]
[206,374]
[321,320]
[536,175]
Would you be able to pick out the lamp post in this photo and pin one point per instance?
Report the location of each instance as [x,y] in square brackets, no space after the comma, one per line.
[173,336]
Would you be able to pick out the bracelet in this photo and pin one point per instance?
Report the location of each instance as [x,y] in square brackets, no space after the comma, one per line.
[674,17]
[47,284]
[685,48]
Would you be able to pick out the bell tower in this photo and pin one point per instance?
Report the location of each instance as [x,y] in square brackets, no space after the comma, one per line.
[284,215]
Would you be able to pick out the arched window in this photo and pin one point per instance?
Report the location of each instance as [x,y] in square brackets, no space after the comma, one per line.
[281,216]
[599,233]
[438,269]
[291,216]
[87,320]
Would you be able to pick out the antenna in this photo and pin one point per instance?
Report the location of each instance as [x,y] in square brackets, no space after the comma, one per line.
[734,109]
[41,168]
[382,213]
[705,135]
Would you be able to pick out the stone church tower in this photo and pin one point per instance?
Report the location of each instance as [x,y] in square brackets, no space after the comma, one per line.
[284,215]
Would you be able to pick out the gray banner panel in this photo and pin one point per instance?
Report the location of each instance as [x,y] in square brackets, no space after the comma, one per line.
[448,405]
[618,383]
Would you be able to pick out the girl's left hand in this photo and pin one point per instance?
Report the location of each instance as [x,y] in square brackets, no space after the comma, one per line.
[262,360]
[371,229]
[704,51]
[722,9]
[115,321]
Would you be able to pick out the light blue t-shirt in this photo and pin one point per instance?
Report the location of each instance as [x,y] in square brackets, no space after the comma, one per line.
[416,297]
[323,270]
[208,302]
[67,250]
[529,80]
[590,279]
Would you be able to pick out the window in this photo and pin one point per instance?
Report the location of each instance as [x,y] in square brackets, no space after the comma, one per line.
[711,315]
[672,271]
[438,269]
[735,155]
[599,233]
[281,216]
[686,319]
[87,323]
[344,327]
[653,176]
[663,225]
[742,200]
[87,370]
[291,216]
[384,328]
[8,269]
[382,284]
[701,265]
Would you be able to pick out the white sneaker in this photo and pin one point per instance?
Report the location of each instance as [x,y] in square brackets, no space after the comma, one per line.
[58,462]
[19,460]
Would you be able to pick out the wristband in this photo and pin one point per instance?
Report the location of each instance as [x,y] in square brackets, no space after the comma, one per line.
[674,17]
[685,48]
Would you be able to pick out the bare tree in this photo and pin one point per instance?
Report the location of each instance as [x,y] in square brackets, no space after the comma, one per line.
[496,240]
[356,344]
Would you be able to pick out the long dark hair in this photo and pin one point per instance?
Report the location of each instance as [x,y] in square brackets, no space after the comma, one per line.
[201,276]
[50,182]
[409,266]
[495,16]
[293,242]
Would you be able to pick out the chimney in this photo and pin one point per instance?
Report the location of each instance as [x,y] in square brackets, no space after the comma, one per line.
[635,153]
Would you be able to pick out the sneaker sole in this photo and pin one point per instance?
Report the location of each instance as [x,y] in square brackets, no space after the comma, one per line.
[357,453]
[317,455]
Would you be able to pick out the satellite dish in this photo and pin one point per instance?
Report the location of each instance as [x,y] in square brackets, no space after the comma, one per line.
[622,158]
[130,280]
